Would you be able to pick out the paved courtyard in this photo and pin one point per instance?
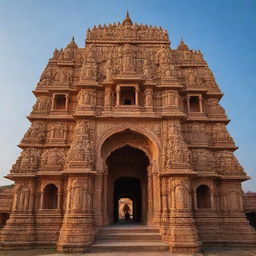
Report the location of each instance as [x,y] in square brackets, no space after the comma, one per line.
[206,252]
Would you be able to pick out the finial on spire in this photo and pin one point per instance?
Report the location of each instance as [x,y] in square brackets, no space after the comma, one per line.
[72,43]
[127,20]
[182,45]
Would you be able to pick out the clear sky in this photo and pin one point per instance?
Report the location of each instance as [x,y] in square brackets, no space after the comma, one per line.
[224,30]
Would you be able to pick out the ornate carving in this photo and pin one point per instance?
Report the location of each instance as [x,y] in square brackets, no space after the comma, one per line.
[57,132]
[53,158]
[227,164]
[22,196]
[82,147]
[202,160]
[148,97]
[128,53]
[86,97]
[213,107]
[170,98]
[174,152]
[63,77]
[36,133]
[28,161]
[42,103]
[81,192]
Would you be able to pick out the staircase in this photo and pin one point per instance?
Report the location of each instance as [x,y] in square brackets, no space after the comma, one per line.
[129,238]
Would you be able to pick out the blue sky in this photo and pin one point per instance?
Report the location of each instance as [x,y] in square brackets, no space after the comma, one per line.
[224,30]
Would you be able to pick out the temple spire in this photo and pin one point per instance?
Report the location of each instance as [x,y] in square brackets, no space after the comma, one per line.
[182,45]
[72,43]
[127,20]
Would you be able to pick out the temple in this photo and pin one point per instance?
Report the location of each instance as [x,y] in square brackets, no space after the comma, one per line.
[127,130]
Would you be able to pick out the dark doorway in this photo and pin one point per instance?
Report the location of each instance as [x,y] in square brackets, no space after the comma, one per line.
[127,178]
[128,187]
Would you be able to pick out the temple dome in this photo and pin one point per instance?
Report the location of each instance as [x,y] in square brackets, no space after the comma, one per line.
[182,46]
[127,20]
[72,44]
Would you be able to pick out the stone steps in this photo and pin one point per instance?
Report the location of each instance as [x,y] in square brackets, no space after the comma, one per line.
[129,238]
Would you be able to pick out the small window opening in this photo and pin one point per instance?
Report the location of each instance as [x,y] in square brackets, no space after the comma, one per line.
[203,197]
[3,218]
[127,96]
[125,210]
[60,102]
[194,104]
[50,197]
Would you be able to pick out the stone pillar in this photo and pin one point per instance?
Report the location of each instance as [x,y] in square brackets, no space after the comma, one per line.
[182,234]
[195,199]
[188,103]
[77,232]
[150,198]
[98,199]
[117,95]
[136,96]
[156,199]
[53,100]
[41,200]
[107,97]
[58,199]
[105,199]
[212,200]
[165,208]
[67,98]
[200,104]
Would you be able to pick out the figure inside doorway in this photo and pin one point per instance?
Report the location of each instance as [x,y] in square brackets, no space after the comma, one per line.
[126,211]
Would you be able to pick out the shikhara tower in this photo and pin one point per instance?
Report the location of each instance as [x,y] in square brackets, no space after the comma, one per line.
[127,116]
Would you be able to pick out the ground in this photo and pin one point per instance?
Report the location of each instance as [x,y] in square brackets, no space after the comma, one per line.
[206,252]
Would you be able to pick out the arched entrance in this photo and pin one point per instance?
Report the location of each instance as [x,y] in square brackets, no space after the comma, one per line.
[124,153]
[127,168]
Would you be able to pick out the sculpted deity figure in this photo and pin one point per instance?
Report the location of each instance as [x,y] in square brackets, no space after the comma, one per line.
[129,58]
[86,97]
[107,96]
[147,69]
[191,79]
[109,70]
[77,194]
[181,197]
[52,158]
[42,103]
[170,98]
[89,67]
[164,60]
[148,98]
[57,131]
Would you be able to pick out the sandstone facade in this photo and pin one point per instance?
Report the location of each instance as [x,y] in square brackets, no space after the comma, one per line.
[127,116]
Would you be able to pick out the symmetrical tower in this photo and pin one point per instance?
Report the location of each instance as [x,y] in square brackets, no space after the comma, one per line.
[127,93]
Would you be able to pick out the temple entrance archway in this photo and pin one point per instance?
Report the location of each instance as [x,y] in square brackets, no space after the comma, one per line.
[128,157]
